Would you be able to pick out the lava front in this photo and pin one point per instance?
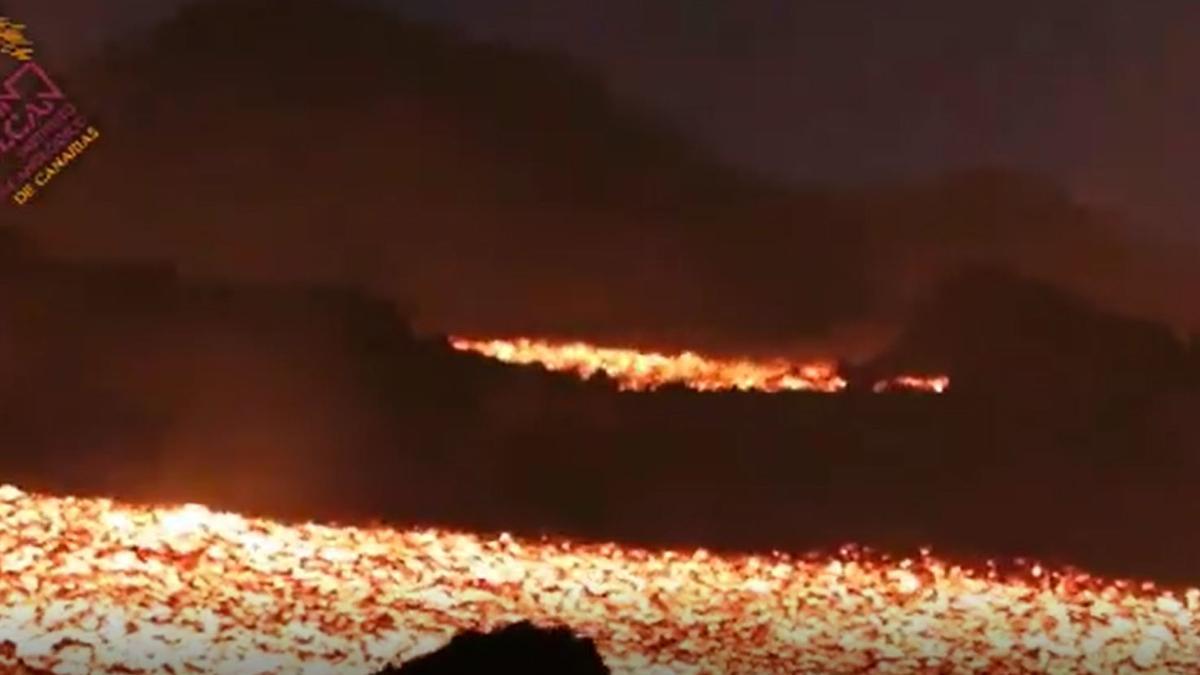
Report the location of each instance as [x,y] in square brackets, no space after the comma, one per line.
[95,586]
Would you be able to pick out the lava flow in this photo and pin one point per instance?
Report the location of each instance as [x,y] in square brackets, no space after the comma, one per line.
[937,384]
[646,371]
[634,370]
[89,585]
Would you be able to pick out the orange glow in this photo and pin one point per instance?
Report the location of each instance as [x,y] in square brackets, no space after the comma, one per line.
[89,585]
[646,371]
[634,370]
[918,383]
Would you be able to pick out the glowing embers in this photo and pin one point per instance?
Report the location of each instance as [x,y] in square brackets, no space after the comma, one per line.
[646,371]
[937,384]
[634,370]
[92,586]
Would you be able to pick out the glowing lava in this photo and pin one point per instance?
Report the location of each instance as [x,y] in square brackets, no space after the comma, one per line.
[634,370]
[92,586]
[646,371]
[937,384]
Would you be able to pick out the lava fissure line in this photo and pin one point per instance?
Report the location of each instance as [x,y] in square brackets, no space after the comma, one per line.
[640,371]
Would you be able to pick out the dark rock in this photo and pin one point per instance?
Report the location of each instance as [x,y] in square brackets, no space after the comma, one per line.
[519,648]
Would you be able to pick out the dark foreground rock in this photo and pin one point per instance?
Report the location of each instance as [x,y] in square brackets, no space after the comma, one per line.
[520,648]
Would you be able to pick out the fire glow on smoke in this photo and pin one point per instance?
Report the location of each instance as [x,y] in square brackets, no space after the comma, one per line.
[93,586]
[634,370]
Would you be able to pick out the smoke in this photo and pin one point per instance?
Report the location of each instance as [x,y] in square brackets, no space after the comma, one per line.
[497,191]
[313,403]
[283,146]
[123,379]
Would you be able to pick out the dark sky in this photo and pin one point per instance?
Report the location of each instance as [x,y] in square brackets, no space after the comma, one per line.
[1098,93]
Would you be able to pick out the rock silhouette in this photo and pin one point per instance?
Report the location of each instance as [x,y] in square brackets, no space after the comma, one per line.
[520,648]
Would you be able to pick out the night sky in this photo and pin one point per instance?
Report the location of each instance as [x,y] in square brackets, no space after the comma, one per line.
[1098,94]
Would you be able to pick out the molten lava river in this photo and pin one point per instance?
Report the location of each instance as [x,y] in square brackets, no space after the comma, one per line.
[634,370]
[94,586]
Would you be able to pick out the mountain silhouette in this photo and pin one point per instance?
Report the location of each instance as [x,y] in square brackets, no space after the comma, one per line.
[500,190]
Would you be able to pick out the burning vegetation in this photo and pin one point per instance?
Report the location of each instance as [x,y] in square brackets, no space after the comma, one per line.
[634,370]
[90,585]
